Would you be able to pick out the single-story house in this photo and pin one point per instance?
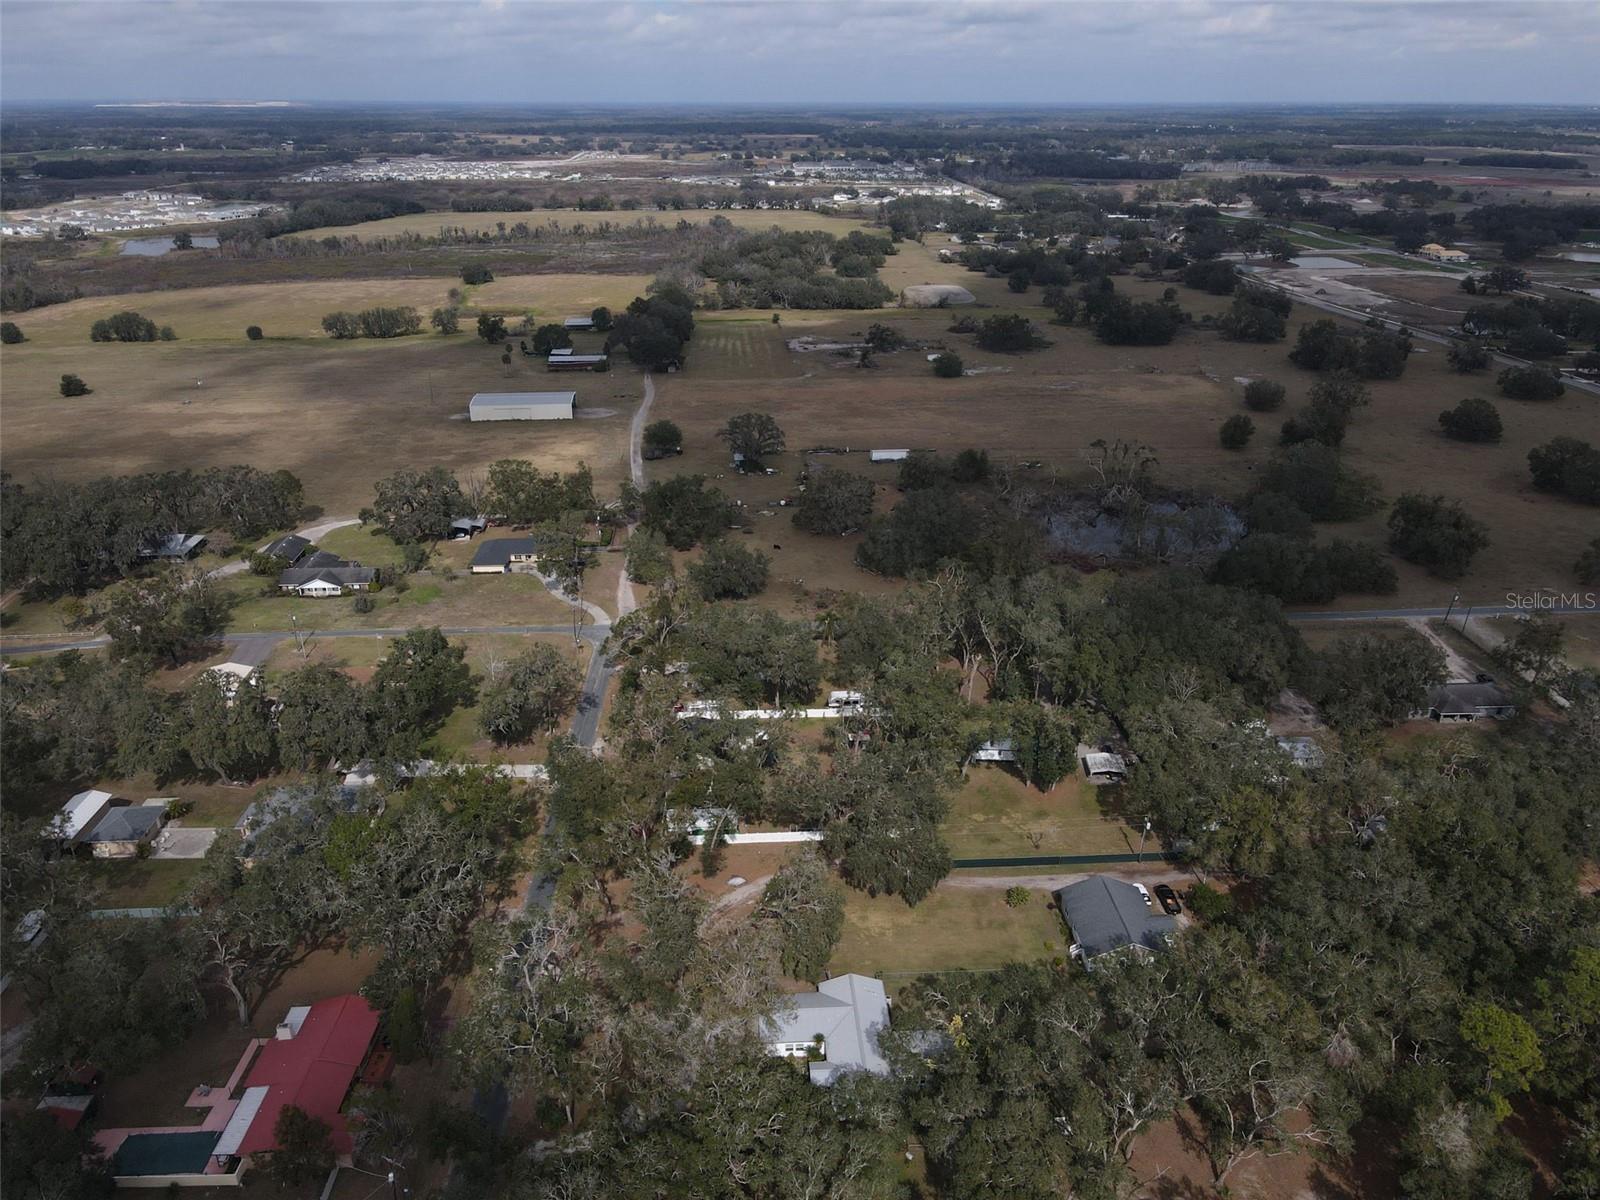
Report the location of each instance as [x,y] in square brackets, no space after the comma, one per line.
[1103,767]
[173,547]
[1462,701]
[882,456]
[319,582]
[577,324]
[836,1027]
[291,547]
[1304,752]
[496,556]
[522,406]
[316,1056]
[123,829]
[577,362]
[1000,750]
[78,815]
[231,676]
[466,527]
[1444,254]
[1107,915]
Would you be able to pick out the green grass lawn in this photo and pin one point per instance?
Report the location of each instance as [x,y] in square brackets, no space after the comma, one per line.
[427,600]
[998,814]
[368,547]
[954,928]
[140,882]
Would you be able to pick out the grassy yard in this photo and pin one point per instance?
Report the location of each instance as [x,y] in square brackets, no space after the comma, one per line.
[998,814]
[954,928]
[140,882]
[427,600]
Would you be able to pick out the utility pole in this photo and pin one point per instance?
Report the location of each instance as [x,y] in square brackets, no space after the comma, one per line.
[1453,601]
[1143,833]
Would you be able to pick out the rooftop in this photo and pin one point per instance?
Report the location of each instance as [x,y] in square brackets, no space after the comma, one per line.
[849,1011]
[1462,697]
[129,823]
[1106,914]
[497,552]
[312,1070]
[503,399]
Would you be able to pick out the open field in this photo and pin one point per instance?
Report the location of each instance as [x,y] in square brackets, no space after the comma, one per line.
[1049,405]
[996,813]
[428,224]
[141,882]
[339,415]
[953,928]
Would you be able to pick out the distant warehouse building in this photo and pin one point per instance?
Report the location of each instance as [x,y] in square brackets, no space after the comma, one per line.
[522,406]
[577,362]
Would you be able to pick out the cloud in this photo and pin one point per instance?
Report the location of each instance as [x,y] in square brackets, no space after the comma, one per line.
[804,51]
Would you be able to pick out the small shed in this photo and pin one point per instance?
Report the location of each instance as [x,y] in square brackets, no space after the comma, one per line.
[466,527]
[174,547]
[231,676]
[884,456]
[522,406]
[577,324]
[1000,750]
[576,362]
[1103,767]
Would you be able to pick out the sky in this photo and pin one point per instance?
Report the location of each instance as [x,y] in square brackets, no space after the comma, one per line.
[803,52]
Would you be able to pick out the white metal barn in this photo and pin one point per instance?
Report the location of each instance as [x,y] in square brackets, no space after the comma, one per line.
[522,406]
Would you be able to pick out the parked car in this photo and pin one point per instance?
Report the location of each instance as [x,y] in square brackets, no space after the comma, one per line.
[1169,900]
[1145,892]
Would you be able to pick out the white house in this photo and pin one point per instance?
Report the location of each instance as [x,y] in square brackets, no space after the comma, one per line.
[836,1027]
[322,582]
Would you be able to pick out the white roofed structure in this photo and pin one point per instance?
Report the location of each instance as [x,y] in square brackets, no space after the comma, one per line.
[522,406]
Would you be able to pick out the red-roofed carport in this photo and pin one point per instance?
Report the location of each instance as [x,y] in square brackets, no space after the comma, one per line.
[312,1070]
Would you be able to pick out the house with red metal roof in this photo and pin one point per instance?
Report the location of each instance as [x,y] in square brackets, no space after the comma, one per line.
[311,1062]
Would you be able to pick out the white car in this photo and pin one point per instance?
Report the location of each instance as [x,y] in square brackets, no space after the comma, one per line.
[1145,892]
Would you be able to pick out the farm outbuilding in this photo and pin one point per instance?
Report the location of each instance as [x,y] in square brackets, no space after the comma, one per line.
[78,816]
[522,406]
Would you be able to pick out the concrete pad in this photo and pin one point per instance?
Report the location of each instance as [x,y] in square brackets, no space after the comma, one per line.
[178,842]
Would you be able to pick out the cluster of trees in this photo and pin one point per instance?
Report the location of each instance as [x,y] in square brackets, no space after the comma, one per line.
[129,326]
[61,538]
[1435,533]
[1531,383]
[1256,315]
[1333,403]
[656,327]
[1568,467]
[377,322]
[414,506]
[1523,230]
[778,269]
[1472,420]
[1372,353]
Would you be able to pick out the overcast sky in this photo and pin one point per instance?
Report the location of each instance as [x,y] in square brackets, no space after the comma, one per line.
[792,51]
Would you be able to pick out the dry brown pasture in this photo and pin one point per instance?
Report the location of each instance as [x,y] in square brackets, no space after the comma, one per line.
[1051,404]
[339,415]
[429,224]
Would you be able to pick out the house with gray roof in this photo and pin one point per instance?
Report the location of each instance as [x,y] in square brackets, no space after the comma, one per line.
[1467,701]
[173,547]
[1107,915]
[496,556]
[291,547]
[322,581]
[122,830]
[837,1027]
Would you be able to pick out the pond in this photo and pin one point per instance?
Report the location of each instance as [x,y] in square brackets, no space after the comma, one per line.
[155,247]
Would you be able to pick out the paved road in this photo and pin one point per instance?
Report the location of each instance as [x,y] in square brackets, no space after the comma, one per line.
[1490,609]
[1421,335]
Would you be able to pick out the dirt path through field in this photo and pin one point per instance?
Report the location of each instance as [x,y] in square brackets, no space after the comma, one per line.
[626,601]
